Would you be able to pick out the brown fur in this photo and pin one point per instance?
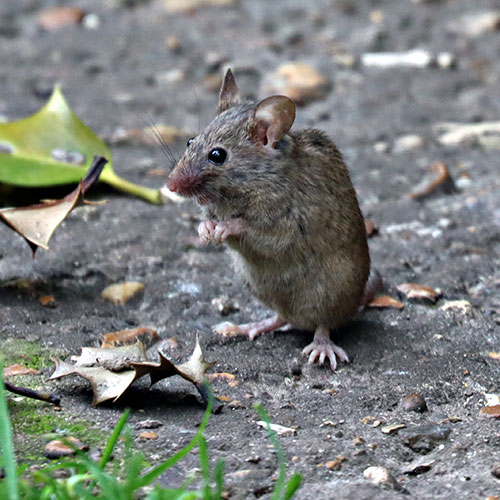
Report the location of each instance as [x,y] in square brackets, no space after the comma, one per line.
[304,252]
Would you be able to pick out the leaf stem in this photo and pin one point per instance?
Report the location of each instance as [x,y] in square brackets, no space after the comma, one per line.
[148,194]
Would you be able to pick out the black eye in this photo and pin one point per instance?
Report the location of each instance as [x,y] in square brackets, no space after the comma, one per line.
[217,156]
[190,141]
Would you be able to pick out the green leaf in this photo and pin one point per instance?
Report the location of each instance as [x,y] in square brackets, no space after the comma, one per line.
[54,147]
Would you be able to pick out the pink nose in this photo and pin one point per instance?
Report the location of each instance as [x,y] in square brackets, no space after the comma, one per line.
[182,183]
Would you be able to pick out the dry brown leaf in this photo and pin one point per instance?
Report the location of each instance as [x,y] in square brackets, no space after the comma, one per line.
[120,293]
[227,377]
[107,383]
[438,180]
[418,292]
[54,18]
[37,223]
[18,369]
[384,301]
[490,411]
[146,336]
[148,435]
[390,429]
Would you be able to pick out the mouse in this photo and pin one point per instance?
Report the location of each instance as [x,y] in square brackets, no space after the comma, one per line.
[283,202]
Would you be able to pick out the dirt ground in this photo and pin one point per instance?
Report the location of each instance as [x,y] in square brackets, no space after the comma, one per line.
[132,59]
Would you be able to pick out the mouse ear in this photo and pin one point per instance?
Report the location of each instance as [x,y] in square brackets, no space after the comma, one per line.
[273,118]
[229,93]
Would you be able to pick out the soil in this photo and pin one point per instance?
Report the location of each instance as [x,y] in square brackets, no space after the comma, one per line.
[126,71]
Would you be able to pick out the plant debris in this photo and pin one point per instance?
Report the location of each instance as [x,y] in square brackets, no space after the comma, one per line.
[111,371]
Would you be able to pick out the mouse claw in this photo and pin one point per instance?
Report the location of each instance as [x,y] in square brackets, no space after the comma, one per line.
[206,230]
[322,348]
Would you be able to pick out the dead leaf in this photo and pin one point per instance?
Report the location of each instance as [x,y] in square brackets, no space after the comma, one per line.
[418,292]
[54,18]
[148,435]
[281,430]
[438,180]
[119,293]
[37,223]
[18,369]
[146,336]
[490,411]
[226,377]
[384,301]
[58,448]
[461,306]
[107,383]
[48,301]
[494,355]
[390,429]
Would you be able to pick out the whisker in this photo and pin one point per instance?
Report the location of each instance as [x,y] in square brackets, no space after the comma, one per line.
[161,142]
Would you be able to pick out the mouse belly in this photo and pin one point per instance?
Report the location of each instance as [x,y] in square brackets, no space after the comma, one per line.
[308,293]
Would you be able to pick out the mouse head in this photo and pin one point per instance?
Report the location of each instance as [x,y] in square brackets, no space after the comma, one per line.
[237,149]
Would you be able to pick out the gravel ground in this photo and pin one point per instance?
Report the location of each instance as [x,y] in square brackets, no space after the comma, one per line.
[130,61]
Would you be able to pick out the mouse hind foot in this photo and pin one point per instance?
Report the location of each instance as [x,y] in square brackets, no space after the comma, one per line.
[250,330]
[322,348]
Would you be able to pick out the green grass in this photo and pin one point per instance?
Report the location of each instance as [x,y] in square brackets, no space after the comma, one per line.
[109,481]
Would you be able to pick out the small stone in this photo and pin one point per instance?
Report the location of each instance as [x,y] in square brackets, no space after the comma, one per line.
[419,466]
[120,293]
[91,22]
[486,134]
[495,470]
[380,476]
[186,6]
[148,424]
[333,464]
[414,402]
[408,143]
[48,301]
[446,60]
[299,81]
[225,305]
[54,18]
[477,24]
[358,441]
[381,147]
[416,58]
[423,438]
[57,448]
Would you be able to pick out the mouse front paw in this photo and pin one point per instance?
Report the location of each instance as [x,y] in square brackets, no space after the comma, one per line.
[206,230]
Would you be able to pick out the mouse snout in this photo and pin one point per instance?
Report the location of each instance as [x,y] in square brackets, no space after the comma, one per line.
[183,183]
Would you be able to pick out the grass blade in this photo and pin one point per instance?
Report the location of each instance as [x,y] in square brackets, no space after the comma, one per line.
[7,445]
[113,439]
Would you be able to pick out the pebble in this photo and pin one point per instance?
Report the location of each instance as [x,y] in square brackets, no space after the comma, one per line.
[225,305]
[423,438]
[408,143]
[53,18]
[476,24]
[416,58]
[381,476]
[297,80]
[495,470]
[120,293]
[414,402]
[187,6]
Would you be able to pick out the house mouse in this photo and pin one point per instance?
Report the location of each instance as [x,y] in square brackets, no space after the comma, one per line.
[284,203]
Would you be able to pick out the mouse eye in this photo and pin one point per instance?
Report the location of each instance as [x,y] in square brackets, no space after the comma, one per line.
[189,141]
[217,156]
